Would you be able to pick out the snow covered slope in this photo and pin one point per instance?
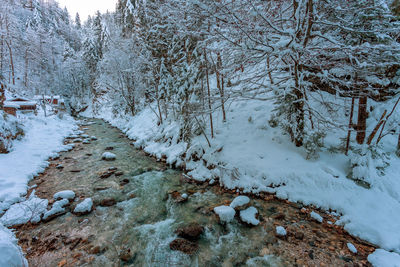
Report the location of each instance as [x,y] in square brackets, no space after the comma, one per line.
[28,157]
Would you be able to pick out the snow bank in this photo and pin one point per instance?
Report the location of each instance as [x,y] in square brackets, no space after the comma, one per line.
[43,139]
[30,210]
[383,258]
[225,213]
[10,252]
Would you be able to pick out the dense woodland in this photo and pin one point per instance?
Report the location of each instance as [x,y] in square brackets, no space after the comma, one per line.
[320,62]
[284,101]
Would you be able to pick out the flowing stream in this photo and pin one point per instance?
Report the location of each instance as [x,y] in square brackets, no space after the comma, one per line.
[136,229]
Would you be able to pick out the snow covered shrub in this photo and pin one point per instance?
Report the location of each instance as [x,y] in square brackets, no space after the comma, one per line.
[9,130]
[313,142]
[367,164]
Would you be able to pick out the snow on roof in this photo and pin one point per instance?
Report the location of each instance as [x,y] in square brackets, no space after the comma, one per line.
[38,97]
[8,104]
[17,104]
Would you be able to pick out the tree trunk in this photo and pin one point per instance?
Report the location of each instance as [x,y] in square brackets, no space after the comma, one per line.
[11,62]
[2,96]
[398,146]
[362,119]
[209,95]
[220,85]
[350,125]
[298,105]
[26,69]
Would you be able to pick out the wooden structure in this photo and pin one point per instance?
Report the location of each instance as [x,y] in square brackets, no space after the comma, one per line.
[19,104]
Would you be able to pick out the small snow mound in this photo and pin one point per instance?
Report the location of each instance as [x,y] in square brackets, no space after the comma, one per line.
[240,201]
[85,206]
[249,216]
[108,156]
[58,207]
[225,213]
[352,248]
[316,216]
[66,194]
[28,210]
[280,231]
[184,196]
[383,258]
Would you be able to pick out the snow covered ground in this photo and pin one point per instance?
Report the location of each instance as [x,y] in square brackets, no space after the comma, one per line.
[27,158]
[254,157]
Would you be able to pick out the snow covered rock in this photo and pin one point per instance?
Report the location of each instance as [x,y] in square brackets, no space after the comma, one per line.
[280,231]
[10,252]
[93,138]
[56,210]
[352,248]
[85,136]
[84,207]
[383,258]
[184,196]
[77,140]
[108,156]
[316,216]
[225,213]
[249,216]
[66,194]
[86,141]
[29,210]
[240,202]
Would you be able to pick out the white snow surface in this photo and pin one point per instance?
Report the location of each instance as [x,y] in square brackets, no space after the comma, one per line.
[383,258]
[280,231]
[43,139]
[249,216]
[225,213]
[352,248]
[10,252]
[65,194]
[85,206]
[29,210]
[316,217]
[57,207]
[108,156]
[28,157]
[240,201]
[253,157]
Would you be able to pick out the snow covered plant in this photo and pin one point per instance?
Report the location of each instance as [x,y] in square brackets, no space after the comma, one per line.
[367,164]
[10,129]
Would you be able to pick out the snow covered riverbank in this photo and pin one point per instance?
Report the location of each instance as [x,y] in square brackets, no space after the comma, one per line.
[253,157]
[28,157]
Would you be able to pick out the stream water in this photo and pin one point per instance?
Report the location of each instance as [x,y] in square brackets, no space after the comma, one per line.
[136,229]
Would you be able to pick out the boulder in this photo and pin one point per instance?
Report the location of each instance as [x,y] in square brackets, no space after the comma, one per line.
[183,245]
[191,231]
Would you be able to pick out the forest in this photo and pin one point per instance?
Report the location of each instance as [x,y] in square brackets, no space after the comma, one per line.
[298,99]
